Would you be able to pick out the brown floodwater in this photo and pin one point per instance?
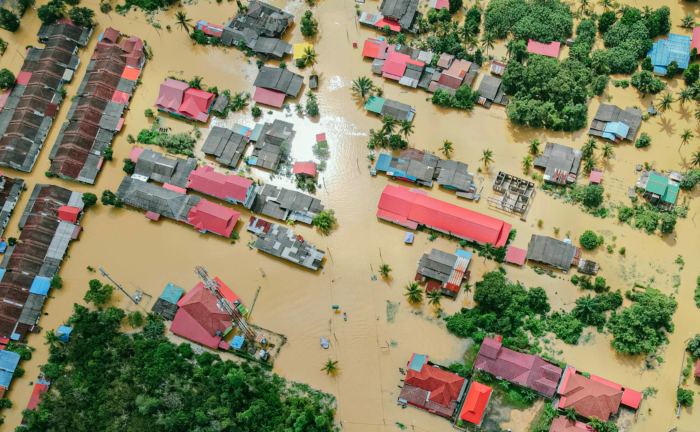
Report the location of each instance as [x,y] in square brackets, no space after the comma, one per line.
[382,329]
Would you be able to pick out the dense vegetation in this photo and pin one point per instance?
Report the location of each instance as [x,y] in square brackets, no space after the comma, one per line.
[649,218]
[146,5]
[105,380]
[541,20]
[179,143]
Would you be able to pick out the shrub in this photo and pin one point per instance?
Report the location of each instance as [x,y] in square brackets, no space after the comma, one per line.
[690,179]
[672,69]
[135,319]
[606,20]
[309,26]
[148,113]
[129,166]
[7,78]
[589,240]
[691,74]
[694,345]
[624,214]
[51,11]
[684,397]
[622,250]
[644,140]
[56,282]
[256,111]
[574,280]
[8,20]
[89,200]
[592,195]
[325,221]
[82,16]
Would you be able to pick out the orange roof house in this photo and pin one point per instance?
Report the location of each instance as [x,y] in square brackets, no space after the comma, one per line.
[562,424]
[199,317]
[430,388]
[476,402]
[590,398]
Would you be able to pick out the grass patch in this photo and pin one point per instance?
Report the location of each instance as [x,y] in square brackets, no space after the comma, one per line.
[508,394]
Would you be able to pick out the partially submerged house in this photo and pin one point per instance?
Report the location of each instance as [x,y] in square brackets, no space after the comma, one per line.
[546,49]
[410,208]
[526,370]
[613,124]
[50,221]
[274,84]
[413,170]
[305,169]
[227,146]
[664,51]
[490,92]
[430,388]
[96,111]
[177,98]
[285,204]
[281,242]
[232,188]
[450,270]
[386,107]
[560,163]
[553,252]
[151,165]
[399,12]
[454,175]
[29,107]
[660,189]
[474,407]
[375,48]
[8,364]
[588,267]
[166,305]
[10,190]
[260,19]
[272,145]
[511,193]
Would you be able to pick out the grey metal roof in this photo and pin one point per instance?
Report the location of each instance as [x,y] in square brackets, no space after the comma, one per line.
[632,117]
[89,172]
[489,87]
[10,191]
[400,111]
[282,242]
[268,147]
[404,11]
[230,37]
[551,251]
[283,204]
[437,265]
[377,66]
[126,86]
[558,157]
[272,47]
[221,103]
[280,80]
[157,167]
[263,19]
[165,309]
[31,312]
[226,145]
[150,197]
[455,175]
[34,54]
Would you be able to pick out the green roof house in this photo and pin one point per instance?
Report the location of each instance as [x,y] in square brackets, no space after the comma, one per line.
[659,189]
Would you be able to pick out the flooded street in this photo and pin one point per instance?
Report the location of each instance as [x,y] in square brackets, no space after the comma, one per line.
[382,330]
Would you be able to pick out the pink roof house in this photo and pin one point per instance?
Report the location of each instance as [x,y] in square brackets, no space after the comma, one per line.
[696,39]
[305,169]
[196,104]
[546,49]
[231,188]
[171,94]
[207,216]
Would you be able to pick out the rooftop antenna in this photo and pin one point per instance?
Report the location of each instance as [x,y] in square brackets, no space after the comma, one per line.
[104,273]
[213,287]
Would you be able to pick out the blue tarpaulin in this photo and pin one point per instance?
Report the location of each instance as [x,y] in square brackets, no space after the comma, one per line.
[40,286]
[5,378]
[172,293]
[462,253]
[3,246]
[2,273]
[8,360]
[676,47]
[64,333]
[408,238]
[237,342]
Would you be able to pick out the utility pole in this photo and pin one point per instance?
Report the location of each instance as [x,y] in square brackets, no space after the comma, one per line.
[104,273]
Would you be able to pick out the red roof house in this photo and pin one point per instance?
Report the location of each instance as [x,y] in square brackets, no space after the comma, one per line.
[270,97]
[395,64]
[393,25]
[171,95]
[207,216]
[196,104]
[68,214]
[696,39]
[305,168]
[516,256]
[402,206]
[39,389]
[374,48]
[590,398]
[432,389]
[476,402]
[231,188]
[631,398]
[562,424]
[525,369]
[595,176]
[546,49]
[110,35]
[697,369]
[199,317]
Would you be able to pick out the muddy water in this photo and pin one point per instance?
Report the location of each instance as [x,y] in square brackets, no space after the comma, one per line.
[382,330]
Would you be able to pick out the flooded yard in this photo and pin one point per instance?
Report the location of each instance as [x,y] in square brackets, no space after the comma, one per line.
[382,330]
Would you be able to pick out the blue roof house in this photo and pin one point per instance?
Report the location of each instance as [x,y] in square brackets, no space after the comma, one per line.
[8,361]
[172,293]
[63,333]
[615,131]
[663,52]
[5,379]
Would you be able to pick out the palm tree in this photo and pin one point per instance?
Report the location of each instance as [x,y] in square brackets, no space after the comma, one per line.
[608,151]
[570,413]
[530,395]
[688,21]
[535,146]
[685,95]
[697,114]
[589,146]
[52,338]
[586,309]
[330,367]
[607,4]
[665,102]
[182,21]
[487,41]
[467,288]
[589,165]
[406,128]
[487,157]
[623,9]
[468,31]
[446,148]
[413,293]
[527,163]
[384,270]
[362,86]
[695,158]
[487,251]
[309,57]
[686,136]
[389,124]
[584,3]
[433,297]
[445,28]
[196,82]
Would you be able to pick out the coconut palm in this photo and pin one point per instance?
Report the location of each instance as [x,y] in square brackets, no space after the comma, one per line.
[362,86]
[330,367]
[608,151]
[487,251]
[688,21]
[406,128]
[309,57]
[584,4]
[589,164]
[623,9]
[570,413]
[389,124]
[586,309]
[182,21]
[468,31]
[467,289]
[589,146]
[488,157]
[487,41]
[446,148]
[196,82]
[685,95]
[413,293]
[52,338]
[423,25]
[695,158]
[665,102]
[607,4]
[444,28]
[384,270]
[697,114]
[433,297]
[529,395]
[535,146]
[527,163]
[686,136]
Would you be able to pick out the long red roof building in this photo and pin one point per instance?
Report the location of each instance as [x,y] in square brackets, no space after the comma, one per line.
[408,208]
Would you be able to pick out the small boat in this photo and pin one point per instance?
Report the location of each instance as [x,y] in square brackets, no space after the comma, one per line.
[345,316]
